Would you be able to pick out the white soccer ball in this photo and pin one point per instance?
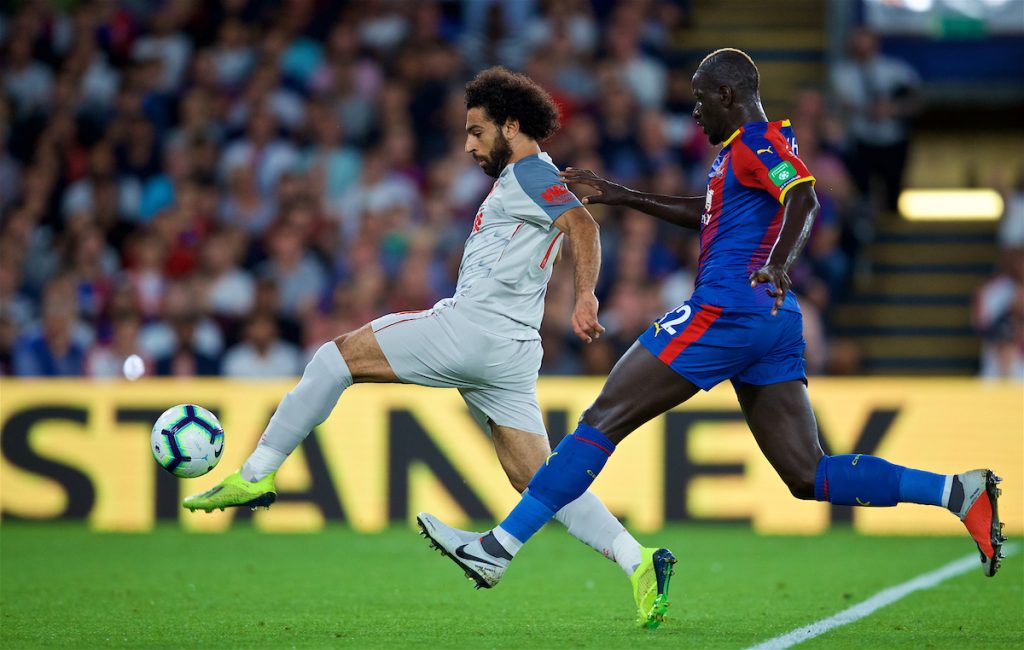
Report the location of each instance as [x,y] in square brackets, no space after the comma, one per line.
[187,441]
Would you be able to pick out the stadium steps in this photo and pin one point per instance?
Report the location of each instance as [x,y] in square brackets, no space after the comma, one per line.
[758,14]
[965,158]
[785,39]
[912,314]
[706,40]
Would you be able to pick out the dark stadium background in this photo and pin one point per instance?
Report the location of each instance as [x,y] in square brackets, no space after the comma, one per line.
[220,186]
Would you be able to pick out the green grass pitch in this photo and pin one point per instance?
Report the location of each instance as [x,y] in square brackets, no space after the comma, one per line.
[61,585]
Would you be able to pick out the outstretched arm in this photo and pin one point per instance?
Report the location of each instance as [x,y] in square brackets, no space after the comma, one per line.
[583,234]
[682,211]
[797,219]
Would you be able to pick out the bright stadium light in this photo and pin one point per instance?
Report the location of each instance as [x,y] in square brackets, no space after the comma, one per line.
[951,205]
[919,5]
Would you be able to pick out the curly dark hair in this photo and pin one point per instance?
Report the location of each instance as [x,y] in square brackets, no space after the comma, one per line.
[504,94]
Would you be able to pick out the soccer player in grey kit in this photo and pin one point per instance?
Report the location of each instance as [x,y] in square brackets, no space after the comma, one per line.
[484,340]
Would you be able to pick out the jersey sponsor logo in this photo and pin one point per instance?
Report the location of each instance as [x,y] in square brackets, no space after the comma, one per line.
[557,194]
[705,218]
[782,173]
[767,149]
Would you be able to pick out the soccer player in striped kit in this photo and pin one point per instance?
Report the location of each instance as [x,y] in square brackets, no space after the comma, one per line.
[742,324]
[484,340]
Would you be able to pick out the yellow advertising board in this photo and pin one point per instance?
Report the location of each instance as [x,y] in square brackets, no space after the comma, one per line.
[80,450]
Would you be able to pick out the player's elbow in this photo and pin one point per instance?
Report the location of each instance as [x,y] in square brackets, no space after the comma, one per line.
[815,207]
[810,203]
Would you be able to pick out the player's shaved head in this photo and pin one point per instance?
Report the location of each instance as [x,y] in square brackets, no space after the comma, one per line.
[733,68]
[725,86]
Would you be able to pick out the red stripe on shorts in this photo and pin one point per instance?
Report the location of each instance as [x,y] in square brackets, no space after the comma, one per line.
[424,312]
[700,324]
[397,322]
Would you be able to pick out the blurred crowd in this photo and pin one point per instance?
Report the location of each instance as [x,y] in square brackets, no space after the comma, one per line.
[222,186]
[999,304]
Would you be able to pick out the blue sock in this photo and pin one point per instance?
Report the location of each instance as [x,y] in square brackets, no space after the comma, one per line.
[859,480]
[928,488]
[563,477]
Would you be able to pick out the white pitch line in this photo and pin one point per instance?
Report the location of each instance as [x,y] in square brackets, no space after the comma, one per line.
[877,602]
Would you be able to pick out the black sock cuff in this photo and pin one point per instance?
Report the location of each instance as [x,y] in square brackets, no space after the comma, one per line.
[493,547]
[956,495]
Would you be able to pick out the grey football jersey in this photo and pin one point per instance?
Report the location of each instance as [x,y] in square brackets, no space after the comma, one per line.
[506,263]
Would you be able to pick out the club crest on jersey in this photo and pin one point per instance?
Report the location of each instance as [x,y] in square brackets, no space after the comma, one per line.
[557,194]
[717,168]
[479,219]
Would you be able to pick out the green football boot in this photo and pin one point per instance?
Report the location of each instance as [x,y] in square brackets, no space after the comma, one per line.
[234,492]
[650,585]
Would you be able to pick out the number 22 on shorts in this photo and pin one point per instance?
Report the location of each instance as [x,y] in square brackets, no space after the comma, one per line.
[669,325]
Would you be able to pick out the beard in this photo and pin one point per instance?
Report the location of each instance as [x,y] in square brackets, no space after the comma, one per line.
[501,152]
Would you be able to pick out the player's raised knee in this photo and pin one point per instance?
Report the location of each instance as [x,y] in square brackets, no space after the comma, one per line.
[342,340]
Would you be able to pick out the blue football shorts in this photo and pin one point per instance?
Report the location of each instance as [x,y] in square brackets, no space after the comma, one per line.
[707,344]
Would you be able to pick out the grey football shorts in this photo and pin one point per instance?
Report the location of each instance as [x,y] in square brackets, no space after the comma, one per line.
[438,347]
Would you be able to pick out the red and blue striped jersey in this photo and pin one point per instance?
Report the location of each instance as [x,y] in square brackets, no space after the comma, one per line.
[742,216]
